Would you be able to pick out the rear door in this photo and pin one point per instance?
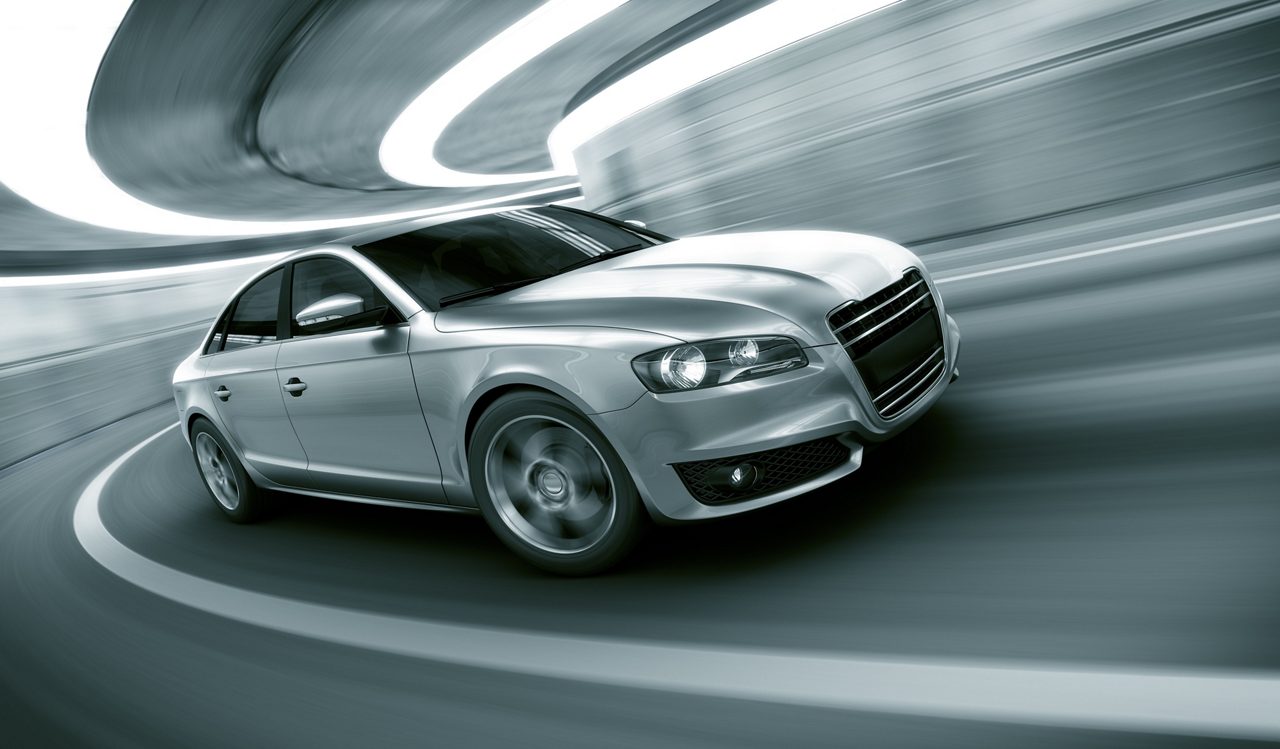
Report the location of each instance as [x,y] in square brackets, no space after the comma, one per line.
[240,374]
[350,389]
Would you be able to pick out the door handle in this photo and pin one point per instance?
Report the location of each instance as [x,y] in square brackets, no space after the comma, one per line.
[222,392]
[295,387]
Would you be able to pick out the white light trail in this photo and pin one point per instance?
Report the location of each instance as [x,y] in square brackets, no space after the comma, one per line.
[409,147]
[135,274]
[408,151]
[45,159]
[50,52]
[773,27]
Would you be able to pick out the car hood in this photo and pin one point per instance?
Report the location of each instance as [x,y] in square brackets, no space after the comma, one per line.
[697,288]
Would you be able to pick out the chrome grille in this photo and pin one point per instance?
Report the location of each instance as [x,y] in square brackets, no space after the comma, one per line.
[894,338]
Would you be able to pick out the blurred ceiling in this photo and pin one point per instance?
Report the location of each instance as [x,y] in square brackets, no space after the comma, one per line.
[274,111]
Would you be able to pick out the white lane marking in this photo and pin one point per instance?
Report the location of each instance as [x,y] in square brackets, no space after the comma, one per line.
[1115,248]
[1196,703]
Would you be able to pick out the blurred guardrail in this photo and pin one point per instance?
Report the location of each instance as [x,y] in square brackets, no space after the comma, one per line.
[50,400]
[79,356]
[930,119]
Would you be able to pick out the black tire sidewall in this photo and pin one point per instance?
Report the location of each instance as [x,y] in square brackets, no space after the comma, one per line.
[630,520]
[253,501]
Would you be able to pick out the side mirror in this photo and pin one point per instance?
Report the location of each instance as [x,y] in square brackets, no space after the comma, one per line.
[635,223]
[331,309]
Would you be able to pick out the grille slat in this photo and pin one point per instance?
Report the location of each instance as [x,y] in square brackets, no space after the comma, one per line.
[779,469]
[918,389]
[893,317]
[870,312]
[894,338]
[934,359]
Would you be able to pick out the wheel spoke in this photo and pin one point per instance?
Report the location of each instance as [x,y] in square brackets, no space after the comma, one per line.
[537,445]
[216,470]
[583,509]
[540,518]
[575,527]
[549,484]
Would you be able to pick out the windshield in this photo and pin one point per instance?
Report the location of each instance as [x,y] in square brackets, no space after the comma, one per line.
[453,258]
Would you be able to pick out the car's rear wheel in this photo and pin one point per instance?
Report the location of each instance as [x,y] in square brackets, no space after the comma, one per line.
[551,487]
[224,476]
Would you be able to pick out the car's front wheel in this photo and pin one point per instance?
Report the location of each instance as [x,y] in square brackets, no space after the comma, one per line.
[551,487]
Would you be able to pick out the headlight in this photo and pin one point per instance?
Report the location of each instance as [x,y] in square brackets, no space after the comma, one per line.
[691,366]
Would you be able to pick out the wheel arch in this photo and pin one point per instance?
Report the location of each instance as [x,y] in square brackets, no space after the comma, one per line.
[192,416]
[485,397]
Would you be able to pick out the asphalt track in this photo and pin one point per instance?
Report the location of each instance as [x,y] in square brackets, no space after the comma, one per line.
[1096,494]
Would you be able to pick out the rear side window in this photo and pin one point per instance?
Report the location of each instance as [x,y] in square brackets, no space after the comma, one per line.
[253,320]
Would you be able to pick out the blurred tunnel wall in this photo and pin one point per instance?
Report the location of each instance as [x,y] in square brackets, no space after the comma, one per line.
[79,356]
[931,119]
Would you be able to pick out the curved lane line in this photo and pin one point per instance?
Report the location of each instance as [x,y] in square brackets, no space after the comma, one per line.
[1197,703]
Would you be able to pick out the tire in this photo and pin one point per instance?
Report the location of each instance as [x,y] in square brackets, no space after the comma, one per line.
[551,487]
[224,477]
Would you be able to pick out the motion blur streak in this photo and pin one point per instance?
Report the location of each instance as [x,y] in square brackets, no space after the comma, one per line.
[755,35]
[1199,703]
[459,210]
[71,279]
[44,156]
[408,149]
[1189,234]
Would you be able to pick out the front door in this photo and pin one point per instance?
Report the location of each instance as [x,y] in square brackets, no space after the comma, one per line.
[349,391]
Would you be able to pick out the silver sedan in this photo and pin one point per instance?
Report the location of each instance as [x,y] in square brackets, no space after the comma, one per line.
[569,376]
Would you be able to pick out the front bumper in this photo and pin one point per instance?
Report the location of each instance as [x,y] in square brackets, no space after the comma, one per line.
[825,399]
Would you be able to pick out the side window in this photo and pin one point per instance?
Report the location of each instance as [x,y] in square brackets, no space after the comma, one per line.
[330,295]
[254,319]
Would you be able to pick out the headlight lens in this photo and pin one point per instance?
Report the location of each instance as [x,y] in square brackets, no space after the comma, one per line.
[683,368]
[705,364]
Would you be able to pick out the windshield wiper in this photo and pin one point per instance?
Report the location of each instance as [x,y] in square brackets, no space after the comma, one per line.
[497,288]
[602,256]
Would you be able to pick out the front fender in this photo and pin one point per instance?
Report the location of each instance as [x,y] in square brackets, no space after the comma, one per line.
[457,373]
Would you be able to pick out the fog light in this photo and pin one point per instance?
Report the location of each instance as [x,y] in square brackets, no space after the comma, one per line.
[736,478]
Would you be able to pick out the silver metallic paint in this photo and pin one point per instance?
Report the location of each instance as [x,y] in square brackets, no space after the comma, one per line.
[386,409]
[358,420]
